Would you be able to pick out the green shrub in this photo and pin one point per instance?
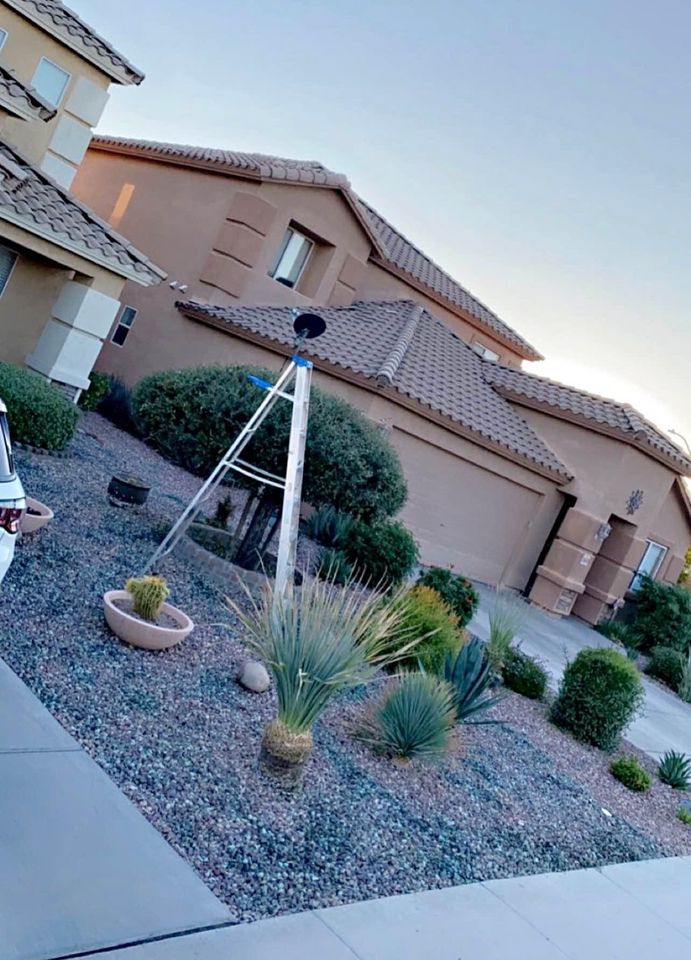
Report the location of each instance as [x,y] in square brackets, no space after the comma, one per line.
[382,552]
[629,771]
[600,692]
[524,674]
[333,565]
[425,617]
[684,688]
[192,417]
[116,405]
[667,665]
[38,414]
[684,815]
[469,675]
[508,614]
[99,388]
[663,616]
[414,719]
[675,770]
[328,527]
[616,630]
[458,592]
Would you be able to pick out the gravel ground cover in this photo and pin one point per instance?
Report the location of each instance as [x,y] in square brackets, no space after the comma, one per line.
[181,738]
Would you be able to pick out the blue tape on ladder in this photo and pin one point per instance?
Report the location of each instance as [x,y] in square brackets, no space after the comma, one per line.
[300,361]
[258,382]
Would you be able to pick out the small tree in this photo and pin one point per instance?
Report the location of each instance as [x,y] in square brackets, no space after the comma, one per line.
[192,417]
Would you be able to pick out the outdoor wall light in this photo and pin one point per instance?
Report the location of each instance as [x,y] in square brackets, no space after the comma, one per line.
[603,531]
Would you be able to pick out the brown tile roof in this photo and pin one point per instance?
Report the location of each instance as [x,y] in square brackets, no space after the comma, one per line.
[58,18]
[404,255]
[588,407]
[392,247]
[20,97]
[32,200]
[399,344]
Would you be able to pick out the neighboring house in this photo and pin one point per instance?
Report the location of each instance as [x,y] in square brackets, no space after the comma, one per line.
[61,268]
[512,479]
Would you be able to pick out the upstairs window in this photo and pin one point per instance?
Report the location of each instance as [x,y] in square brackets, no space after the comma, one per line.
[292,258]
[8,258]
[485,352]
[50,81]
[3,37]
[124,325]
[650,564]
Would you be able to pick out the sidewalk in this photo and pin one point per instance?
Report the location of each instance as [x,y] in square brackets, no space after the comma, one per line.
[633,911]
[80,868]
[665,723]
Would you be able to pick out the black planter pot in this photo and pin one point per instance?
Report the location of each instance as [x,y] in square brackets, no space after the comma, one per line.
[125,489]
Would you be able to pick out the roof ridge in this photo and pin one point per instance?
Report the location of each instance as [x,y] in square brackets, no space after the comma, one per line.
[387,371]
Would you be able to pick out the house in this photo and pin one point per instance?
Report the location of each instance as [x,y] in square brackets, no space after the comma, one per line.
[513,479]
[61,267]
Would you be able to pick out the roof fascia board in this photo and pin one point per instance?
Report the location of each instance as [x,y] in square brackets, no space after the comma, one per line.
[392,393]
[103,63]
[24,113]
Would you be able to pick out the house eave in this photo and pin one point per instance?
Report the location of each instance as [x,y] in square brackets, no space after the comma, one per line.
[11,105]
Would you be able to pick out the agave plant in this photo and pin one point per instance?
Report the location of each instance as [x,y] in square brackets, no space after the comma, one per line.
[414,719]
[469,674]
[675,770]
[508,614]
[316,643]
[328,527]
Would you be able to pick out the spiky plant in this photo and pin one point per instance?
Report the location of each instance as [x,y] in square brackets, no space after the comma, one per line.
[148,596]
[329,527]
[334,565]
[684,688]
[675,770]
[469,675]
[508,614]
[684,815]
[414,718]
[315,642]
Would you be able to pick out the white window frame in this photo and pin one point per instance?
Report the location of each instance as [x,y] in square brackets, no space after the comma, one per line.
[482,351]
[57,66]
[638,575]
[3,37]
[291,232]
[121,324]
[15,258]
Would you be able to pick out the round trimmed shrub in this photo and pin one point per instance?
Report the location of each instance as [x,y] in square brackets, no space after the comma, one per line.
[663,616]
[458,592]
[425,615]
[382,553]
[666,664]
[629,771]
[600,692]
[192,416]
[524,674]
[38,414]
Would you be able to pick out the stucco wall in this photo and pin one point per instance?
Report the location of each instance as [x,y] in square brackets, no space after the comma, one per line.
[26,304]
[26,43]
[672,528]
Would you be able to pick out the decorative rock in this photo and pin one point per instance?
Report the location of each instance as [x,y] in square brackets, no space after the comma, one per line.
[253,676]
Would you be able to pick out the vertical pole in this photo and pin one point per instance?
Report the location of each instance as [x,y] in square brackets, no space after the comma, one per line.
[290,516]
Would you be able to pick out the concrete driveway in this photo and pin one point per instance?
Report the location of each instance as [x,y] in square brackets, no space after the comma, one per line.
[665,722]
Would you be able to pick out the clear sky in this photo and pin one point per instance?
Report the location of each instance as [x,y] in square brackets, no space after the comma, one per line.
[539,150]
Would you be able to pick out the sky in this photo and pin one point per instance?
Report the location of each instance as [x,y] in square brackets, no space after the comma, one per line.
[538,150]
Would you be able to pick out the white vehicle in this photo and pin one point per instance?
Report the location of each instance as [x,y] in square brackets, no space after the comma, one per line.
[12,502]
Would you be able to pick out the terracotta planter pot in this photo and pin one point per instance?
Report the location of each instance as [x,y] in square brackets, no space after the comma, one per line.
[139,633]
[31,522]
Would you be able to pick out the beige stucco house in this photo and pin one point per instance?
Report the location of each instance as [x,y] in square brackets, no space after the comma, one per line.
[513,479]
[61,268]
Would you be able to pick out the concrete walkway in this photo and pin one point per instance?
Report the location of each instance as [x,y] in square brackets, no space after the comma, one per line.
[665,723]
[634,911]
[80,868]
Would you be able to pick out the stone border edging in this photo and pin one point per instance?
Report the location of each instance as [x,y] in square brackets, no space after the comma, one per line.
[221,572]
[41,451]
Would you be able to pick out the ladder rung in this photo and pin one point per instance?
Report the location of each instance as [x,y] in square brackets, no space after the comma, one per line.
[257,476]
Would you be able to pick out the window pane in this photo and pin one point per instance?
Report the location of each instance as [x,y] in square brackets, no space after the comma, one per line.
[6,464]
[127,317]
[120,334]
[3,37]
[50,81]
[292,258]
[650,564]
[8,258]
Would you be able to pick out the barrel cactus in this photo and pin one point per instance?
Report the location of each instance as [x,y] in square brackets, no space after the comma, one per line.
[148,596]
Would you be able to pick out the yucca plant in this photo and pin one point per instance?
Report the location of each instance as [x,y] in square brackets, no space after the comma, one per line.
[329,527]
[316,642]
[469,674]
[148,596]
[508,614]
[684,688]
[675,770]
[414,718]
[333,565]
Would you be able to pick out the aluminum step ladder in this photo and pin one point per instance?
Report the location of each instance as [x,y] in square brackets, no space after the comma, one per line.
[299,373]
